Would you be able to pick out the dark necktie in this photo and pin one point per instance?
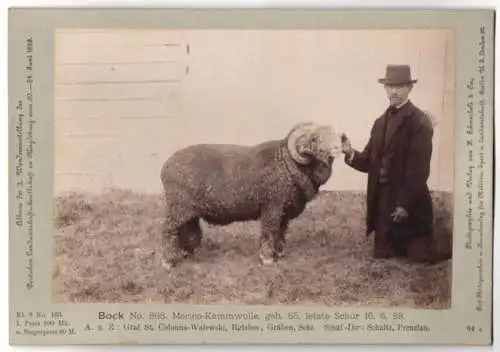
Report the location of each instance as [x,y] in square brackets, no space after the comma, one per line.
[393,110]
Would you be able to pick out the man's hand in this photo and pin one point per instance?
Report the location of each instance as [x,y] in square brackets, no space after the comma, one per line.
[399,214]
[346,145]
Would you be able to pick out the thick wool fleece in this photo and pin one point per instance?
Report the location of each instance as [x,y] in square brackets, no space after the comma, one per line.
[226,183]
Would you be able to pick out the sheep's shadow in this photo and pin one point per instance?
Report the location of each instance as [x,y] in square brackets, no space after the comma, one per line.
[234,240]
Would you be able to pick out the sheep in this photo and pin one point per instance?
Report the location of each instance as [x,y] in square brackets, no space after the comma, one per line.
[221,184]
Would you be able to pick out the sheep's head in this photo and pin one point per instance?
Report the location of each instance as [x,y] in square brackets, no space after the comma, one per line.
[308,141]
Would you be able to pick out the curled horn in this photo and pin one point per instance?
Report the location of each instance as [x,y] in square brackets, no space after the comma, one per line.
[293,137]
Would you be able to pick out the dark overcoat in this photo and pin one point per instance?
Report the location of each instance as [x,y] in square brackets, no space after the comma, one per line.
[406,150]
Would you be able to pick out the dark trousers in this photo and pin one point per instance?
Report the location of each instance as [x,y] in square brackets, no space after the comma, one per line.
[419,248]
[385,243]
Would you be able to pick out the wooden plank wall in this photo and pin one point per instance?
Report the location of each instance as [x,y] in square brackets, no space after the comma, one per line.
[114,89]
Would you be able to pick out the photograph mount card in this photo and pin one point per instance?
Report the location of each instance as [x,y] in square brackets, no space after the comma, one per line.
[250,176]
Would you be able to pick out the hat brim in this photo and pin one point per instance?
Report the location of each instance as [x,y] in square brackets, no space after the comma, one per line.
[385,81]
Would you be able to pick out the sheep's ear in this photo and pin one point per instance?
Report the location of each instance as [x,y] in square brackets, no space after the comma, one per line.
[303,146]
[306,144]
[313,138]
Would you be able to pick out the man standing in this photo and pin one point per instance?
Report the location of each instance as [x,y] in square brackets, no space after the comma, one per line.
[397,160]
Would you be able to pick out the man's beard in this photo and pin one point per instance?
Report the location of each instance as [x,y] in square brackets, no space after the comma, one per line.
[395,101]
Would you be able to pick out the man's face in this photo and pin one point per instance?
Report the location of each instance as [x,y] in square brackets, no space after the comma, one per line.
[397,94]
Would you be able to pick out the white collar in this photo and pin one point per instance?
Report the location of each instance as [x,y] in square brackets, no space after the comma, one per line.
[403,103]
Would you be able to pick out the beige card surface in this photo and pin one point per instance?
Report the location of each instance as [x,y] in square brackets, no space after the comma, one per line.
[165,187]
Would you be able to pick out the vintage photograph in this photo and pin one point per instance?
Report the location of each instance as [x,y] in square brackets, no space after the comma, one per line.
[254,167]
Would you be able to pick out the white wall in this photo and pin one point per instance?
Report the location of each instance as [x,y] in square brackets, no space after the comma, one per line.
[124,101]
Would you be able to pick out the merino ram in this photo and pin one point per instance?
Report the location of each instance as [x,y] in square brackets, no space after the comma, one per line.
[271,182]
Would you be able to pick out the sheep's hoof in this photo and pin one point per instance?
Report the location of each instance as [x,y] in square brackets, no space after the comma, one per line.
[279,254]
[186,254]
[267,261]
[167,264]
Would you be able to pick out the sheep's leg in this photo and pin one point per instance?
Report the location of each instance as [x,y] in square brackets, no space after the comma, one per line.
[171,253]
[270,232]
[174,229]
[190,237]
[279,239]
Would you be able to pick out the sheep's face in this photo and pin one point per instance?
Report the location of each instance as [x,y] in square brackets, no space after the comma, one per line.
[310,143]
[322,145]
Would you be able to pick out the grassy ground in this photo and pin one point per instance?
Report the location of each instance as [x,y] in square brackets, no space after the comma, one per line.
[106,249]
